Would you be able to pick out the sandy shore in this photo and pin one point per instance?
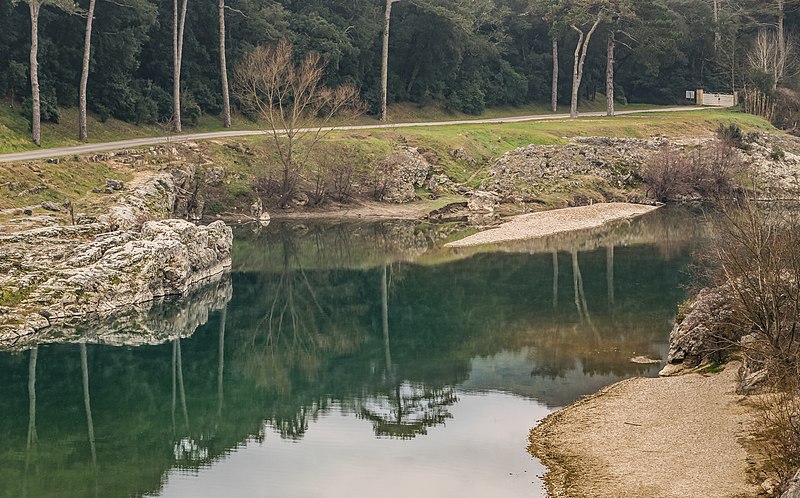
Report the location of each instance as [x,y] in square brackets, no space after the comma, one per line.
[669,437]
[530,226]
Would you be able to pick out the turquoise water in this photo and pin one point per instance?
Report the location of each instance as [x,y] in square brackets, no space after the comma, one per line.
[350,360]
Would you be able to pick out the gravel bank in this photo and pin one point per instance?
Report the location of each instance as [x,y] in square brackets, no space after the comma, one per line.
[668,437]
[530,226]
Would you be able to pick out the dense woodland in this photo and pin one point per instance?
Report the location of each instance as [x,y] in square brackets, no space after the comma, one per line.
[465,54]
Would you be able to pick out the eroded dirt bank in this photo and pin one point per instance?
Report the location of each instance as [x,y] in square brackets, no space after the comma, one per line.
[667,437]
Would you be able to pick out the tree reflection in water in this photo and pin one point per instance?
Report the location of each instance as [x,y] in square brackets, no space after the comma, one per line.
[323,320]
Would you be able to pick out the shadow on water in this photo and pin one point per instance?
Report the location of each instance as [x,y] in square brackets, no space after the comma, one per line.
[373,321]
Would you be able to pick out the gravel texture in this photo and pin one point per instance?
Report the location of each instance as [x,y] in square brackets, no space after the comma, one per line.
[668,437]
[534,225]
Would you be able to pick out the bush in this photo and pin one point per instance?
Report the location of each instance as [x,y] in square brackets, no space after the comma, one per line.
[787,114]
[732,135]
[190,110]
[757,256]
[469,99]
[48,105]
[708,172]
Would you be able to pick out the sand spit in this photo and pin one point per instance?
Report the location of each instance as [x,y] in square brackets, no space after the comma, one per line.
[534,225]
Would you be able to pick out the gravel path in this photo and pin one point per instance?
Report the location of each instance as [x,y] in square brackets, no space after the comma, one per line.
[668,437]
[534,225]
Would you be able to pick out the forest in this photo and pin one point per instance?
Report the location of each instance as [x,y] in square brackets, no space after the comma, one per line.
[465,55]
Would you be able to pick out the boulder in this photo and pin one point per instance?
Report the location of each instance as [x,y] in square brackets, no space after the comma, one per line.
[704,334]
[483,202]
[400,174]
[114,184]
[51,206]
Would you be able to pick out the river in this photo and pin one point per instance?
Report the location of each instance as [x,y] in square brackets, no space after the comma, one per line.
[346,359]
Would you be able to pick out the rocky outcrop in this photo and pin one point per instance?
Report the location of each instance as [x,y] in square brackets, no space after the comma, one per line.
[55,280]
[152,199]
[58,273]
[536,169]
[151,323]
[400,174]
[706,333]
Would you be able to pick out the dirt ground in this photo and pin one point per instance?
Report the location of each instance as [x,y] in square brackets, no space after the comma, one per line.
[668,437]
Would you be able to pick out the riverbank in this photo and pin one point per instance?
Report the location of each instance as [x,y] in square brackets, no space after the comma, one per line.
[667,437]
[546,223]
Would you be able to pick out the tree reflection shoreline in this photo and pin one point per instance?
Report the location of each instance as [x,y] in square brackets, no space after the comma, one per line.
[391,342]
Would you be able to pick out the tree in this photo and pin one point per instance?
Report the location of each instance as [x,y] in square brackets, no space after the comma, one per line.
[36,106]
[223,68]
[385,60]
[83,133]
[579,25]
[621,12]
[178,24]
[291,98]
[552,13]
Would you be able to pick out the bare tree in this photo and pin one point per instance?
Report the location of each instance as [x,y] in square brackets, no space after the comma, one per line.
[178,24]
[291,98]
[580,58]
[223,69]
[83,133]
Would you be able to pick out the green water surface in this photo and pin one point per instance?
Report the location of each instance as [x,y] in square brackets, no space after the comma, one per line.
[351,360]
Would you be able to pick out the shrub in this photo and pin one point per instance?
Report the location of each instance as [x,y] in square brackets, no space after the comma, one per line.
[708,172]
[732,135]
[757,256]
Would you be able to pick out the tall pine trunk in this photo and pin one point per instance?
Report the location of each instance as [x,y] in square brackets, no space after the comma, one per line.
[554,91]
[610,110]
[223,68]
[580,59]
[781,66]
[177,56]
[83,132]
[385,61]
[36,106]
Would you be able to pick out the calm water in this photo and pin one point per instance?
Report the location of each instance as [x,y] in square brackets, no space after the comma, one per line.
[348,360]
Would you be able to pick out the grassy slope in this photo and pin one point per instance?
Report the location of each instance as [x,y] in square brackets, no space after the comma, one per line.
[74,178]
[15,129]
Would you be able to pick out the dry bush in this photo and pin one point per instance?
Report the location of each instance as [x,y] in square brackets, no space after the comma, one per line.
[290,97]
[708,172]
[757,258]
[779,419]
[787,115]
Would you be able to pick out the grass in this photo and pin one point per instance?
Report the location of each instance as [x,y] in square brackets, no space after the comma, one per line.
[15,129]
[246,158]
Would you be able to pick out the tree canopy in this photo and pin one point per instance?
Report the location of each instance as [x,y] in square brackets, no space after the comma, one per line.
[468,55]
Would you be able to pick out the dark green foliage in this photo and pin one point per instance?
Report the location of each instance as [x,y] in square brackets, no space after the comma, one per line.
[468,55]
[732,135]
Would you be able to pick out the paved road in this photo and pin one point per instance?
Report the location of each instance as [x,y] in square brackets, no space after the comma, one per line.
[139,142]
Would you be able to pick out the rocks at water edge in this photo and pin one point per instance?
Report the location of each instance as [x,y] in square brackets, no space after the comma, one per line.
[57,273]
[55,281]
[704,334]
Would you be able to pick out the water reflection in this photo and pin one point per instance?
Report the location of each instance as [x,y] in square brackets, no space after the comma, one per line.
[367,344]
